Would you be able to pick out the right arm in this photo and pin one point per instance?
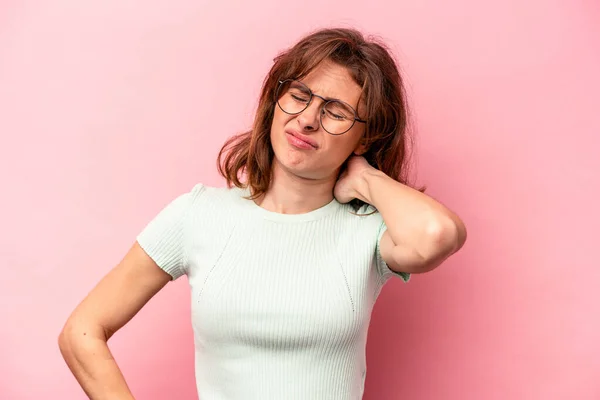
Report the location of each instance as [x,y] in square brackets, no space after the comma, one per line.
[109,306]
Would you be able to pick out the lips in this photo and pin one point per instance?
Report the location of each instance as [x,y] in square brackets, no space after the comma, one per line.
[303,138]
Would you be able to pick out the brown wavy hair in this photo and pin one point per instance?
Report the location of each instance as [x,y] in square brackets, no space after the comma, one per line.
[386,138]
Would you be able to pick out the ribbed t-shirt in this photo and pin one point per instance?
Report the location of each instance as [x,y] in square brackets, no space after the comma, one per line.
[281,303]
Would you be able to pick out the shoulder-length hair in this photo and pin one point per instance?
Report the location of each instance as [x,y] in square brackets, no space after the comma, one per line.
[249,155]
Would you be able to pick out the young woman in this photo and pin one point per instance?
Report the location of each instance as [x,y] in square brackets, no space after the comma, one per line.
[286,263]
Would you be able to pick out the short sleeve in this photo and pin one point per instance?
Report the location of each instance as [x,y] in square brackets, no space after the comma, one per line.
[383,268]
[163,237]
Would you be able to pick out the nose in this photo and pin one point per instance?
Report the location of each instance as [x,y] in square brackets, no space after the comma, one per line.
[309,118]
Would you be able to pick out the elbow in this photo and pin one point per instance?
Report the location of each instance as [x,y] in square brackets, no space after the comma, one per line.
[62,339]
[67,336]
[65,342]
[439,239]
[77,335]
[458,234]
[446,237]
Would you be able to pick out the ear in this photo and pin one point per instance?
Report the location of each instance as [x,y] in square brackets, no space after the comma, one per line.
[361,148]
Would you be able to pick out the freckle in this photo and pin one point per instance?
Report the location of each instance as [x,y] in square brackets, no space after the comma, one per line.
[84,333]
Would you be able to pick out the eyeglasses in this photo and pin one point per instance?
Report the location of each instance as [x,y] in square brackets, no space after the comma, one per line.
[335,116]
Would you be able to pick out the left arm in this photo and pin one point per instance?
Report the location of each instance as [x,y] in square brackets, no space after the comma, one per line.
[421,232]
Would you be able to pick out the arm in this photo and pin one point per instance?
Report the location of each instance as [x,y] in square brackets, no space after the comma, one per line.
[109,306]
[421,232]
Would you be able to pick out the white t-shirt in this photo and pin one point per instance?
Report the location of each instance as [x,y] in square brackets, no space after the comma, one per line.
[281,303]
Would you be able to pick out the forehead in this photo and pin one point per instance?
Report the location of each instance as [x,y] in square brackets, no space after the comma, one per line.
[333,81]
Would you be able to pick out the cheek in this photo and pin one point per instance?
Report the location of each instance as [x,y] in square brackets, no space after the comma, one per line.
[342,147]
[280,119]
[279,142]
[337,152]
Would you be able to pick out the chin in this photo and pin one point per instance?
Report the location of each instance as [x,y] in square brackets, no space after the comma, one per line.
[302,169]
[294,165]
[301,163]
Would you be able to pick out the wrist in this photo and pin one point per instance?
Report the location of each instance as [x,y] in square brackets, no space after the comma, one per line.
[365,182]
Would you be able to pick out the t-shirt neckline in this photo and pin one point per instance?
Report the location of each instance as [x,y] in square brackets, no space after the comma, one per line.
[318,213]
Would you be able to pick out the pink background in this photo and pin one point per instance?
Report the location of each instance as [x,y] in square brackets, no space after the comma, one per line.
[108,110]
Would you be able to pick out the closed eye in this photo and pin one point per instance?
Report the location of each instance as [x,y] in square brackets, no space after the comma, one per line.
[335,116]
[298,98]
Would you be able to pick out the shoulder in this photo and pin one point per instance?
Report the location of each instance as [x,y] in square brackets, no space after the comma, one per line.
[363,225]
[206,201]
[205,194]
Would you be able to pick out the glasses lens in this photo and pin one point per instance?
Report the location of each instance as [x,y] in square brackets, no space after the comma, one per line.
[337,117]
[294,97]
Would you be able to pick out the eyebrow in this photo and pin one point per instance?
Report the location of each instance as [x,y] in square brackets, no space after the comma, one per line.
[323,97]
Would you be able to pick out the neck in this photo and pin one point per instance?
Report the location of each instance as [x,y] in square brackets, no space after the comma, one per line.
[291,194]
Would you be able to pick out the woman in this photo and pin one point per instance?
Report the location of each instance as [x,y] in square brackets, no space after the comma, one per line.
[284,267]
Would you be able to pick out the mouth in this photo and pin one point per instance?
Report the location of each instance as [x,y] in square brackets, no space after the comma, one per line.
[301,141]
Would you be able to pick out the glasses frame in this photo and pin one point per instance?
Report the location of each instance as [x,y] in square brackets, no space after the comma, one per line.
[325,102]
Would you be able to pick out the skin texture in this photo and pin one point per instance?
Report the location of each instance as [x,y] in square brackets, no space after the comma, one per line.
[109,306]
